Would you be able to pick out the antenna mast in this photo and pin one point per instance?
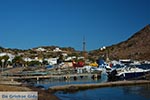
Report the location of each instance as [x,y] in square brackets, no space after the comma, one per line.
[84,46]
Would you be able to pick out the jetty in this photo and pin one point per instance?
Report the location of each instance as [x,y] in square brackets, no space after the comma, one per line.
[77,87]
[65,76]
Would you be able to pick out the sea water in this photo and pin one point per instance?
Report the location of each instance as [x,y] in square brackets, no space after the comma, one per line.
[138,92]
[46,83]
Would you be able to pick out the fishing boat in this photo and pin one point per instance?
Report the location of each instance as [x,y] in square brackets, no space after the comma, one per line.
[128,73]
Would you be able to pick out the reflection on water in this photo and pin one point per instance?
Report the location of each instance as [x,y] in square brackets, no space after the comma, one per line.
[114,93]
[46,83]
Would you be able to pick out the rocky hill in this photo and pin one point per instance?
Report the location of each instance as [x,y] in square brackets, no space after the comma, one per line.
[137,47]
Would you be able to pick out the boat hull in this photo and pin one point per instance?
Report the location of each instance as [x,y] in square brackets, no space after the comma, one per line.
[133,75]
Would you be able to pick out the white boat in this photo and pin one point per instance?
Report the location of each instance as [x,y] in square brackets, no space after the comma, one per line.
[128,72]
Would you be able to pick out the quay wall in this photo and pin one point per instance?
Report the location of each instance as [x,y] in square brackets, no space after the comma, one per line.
[77,87]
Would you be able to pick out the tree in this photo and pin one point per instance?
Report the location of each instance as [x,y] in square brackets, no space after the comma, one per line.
[45,62]
[5,59]
[34,63]
[18,61]
[60,59]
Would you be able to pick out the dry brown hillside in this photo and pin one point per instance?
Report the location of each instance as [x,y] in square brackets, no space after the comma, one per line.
[137,47]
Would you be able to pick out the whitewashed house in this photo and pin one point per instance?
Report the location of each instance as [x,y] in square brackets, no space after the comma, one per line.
[11,57]
[27,59]
[40,49]
[52,61]
[57,50]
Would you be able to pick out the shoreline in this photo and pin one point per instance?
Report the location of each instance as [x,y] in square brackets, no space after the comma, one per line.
[17,87]
[49,94]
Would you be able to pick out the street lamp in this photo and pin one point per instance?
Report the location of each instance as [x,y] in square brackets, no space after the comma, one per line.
[3,60]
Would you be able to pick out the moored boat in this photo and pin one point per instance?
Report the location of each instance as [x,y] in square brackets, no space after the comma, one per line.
[128,73]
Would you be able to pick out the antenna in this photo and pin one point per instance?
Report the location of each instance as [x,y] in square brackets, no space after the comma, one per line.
[84,46]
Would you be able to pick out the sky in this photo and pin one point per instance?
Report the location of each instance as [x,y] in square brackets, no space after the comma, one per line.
[25,24]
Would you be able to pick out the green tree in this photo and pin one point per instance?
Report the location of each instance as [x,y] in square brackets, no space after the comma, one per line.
[18,61]
[5,59]
[34,63]
[45,62]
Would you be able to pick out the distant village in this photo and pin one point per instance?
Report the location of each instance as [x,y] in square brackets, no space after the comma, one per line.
[9,60]
[20,59]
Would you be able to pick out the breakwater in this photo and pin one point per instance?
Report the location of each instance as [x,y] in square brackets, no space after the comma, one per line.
[76,87]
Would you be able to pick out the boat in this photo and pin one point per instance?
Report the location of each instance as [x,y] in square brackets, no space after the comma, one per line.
[103,65]
[93,64]
[130,72]
[78,64]
[95,69]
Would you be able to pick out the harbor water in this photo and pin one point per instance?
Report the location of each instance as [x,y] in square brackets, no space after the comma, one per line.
[136,92]
[140,92]
[47,83]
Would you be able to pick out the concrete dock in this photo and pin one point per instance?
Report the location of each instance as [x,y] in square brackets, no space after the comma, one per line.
[76,87]
[66,76]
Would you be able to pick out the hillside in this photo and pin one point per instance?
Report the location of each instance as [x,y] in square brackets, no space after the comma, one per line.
[34,52]
[137,47]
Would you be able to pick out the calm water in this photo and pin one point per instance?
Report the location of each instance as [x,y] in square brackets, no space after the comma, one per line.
[141,92]
[85,80]
[46,83]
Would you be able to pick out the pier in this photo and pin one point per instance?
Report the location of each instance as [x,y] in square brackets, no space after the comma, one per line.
[76,87]
[65,76]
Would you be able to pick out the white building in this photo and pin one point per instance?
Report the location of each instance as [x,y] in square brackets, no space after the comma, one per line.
[27,59]
[38,59]
[68,59]
[40,49]
[52,61]
[11,57]
[57,49]
[65,54]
